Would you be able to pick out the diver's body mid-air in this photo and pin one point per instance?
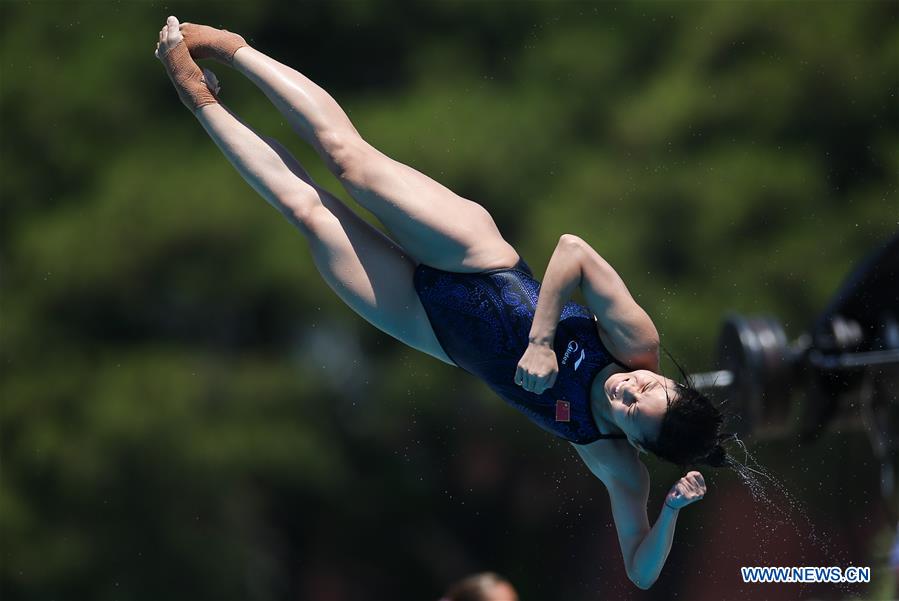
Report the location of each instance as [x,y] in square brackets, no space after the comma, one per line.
[446,283]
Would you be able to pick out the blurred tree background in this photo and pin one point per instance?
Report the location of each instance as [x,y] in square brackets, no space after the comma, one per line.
[189,412]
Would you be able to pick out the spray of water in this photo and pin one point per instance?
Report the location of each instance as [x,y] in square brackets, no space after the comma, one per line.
[782,510]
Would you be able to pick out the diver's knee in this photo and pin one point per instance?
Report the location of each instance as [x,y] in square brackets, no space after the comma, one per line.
[349,155]
[303,207]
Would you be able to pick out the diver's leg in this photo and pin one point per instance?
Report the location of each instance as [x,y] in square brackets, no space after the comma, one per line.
[430,222]
[366,269]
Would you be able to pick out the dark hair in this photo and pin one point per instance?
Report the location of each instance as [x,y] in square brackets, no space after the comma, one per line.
[477,587]
[691,429]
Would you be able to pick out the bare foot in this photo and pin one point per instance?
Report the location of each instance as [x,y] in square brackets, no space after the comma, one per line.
[169,37]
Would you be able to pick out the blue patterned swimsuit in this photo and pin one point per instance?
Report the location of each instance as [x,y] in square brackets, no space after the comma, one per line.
[482,321]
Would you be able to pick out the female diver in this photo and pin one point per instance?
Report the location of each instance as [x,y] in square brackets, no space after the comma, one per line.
[452,287]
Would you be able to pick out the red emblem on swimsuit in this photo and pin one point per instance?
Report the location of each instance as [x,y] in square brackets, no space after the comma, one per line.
[563,411]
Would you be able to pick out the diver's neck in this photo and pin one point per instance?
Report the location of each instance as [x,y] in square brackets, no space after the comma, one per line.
[599,402]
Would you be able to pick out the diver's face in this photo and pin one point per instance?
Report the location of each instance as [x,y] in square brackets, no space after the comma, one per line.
[639,400]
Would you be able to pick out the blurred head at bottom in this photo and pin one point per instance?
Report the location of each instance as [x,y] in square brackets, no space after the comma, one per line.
[485,586]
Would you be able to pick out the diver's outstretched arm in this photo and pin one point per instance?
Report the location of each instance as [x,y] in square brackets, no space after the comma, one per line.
[652,551]
[643,548]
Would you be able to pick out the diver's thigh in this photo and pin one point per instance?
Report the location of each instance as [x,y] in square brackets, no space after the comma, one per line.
[431,222]
[371,274]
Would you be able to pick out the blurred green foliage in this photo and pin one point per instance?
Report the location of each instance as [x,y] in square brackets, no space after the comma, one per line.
[172,421]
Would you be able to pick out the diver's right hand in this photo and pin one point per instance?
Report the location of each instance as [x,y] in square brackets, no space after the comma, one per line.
[537,369]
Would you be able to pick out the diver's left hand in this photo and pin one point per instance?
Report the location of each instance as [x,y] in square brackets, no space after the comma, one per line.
[689,489]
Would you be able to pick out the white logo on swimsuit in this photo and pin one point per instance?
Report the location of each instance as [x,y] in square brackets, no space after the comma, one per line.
[579,359]
[572,347]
